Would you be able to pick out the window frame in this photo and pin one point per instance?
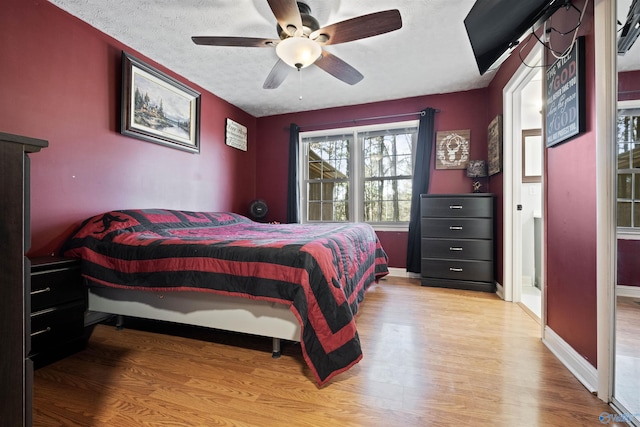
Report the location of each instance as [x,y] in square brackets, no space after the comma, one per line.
[356,171]
[626,232]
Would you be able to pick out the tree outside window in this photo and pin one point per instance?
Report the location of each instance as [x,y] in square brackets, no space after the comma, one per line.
[359,174]
[628,188]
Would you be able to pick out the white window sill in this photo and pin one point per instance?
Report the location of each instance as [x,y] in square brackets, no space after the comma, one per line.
[626,234]
[391,227]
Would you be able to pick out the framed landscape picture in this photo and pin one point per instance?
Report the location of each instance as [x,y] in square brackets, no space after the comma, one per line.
[158,108]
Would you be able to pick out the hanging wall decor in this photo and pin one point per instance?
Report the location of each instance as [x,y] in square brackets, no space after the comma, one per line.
[494,145]
[158,108]
[565,96]
[452,149]
[236,135]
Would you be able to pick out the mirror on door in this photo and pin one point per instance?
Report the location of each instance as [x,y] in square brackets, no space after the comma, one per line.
[626,391]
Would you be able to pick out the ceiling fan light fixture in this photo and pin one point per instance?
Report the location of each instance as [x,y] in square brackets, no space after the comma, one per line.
[298,52]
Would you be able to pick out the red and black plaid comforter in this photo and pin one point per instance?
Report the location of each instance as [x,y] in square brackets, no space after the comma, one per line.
[320,271]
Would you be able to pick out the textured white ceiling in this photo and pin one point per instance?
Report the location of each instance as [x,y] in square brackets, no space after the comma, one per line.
[430,54]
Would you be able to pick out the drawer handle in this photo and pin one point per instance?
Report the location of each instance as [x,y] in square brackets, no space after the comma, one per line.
[455,227]
[42,331]
[454,249]
[41,291]
[455,206]
[456,269]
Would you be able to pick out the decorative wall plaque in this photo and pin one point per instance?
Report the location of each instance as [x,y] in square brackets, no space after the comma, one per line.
[236,135]
[452,149]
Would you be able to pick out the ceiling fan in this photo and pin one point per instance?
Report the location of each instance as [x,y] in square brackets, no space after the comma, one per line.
[301,40]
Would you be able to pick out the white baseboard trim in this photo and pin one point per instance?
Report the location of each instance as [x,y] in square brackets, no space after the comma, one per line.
[499,290]
[628,291]
[577,365]
[401,272]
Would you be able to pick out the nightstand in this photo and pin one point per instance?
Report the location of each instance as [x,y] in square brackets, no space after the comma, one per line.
[58,305]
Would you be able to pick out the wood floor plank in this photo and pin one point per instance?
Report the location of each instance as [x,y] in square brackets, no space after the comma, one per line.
[437,357]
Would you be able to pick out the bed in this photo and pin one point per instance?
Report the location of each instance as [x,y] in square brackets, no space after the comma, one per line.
[299,282]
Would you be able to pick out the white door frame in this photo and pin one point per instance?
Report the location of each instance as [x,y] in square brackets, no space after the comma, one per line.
[512,173]
[606,91]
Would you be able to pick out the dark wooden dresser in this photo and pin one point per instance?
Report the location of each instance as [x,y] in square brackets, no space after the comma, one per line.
[458,248]
[58,305]
[16,369]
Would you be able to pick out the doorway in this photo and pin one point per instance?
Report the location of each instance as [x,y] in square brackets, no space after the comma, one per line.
[530,182]
[523,187]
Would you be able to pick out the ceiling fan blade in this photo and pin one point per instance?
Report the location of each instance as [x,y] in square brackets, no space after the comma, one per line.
[278,73]
[360,27]
[338,68]
[287,15]
[234,41]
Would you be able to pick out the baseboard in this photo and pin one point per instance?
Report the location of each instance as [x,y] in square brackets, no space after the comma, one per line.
[577,365]
[401,272]
[628,291]
[499,290]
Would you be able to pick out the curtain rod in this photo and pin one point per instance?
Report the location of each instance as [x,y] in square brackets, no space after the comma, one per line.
[364,119]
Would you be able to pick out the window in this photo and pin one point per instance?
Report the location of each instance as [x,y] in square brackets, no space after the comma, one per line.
[628,186]
[358,174]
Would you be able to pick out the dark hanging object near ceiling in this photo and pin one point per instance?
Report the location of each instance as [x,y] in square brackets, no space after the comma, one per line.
[299,33]
[629,32]
[258,209]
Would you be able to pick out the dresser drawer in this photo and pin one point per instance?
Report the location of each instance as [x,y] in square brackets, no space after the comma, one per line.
[457,249]
[53,287]
[457,207]
[56,325]
[458,228]
[480,271]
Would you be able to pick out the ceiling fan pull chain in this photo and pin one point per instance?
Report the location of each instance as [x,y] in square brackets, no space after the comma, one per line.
[300,84]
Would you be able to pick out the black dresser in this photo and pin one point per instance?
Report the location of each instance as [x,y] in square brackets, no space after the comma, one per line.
[16,368]
[58,305]
[458,248]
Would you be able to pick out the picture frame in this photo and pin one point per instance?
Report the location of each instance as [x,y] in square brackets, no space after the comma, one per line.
[236,135]
[565,100]
[452,149]
[157,108]
[494,146]
[531,155]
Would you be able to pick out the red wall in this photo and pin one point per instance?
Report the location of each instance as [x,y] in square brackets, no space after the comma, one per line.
[629,85]
[571,222]
[60,81]
[458,111]
[628,266]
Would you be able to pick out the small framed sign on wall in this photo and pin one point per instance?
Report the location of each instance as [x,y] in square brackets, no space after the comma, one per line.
[236,135]
[565,99]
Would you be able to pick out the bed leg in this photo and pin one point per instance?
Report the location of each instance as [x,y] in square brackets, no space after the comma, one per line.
[119,322]
[276,348]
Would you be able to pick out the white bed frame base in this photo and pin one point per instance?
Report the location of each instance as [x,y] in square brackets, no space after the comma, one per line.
[235,314]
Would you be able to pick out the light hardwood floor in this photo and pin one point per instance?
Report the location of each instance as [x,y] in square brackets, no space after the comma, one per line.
[432,357]
[628,353]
